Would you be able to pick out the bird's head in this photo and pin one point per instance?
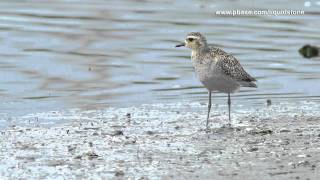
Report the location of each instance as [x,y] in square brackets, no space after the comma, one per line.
[194,41]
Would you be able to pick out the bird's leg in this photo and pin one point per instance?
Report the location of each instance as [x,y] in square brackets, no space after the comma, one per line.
[229,108]
[209,108]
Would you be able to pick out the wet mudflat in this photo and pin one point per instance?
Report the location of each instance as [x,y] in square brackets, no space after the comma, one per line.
[166,141]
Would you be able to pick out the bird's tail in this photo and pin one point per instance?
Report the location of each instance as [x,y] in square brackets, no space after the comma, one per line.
[248,84]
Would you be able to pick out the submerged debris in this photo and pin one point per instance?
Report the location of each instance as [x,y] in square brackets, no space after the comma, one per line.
[119,173]
[89,155]
[260,132]
[117,133]
[309,51]
[269,102]
[150,132]
[252,149]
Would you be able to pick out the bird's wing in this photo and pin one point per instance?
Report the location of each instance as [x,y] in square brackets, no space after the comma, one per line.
[231,66]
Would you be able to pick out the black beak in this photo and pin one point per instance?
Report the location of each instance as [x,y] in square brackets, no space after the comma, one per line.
[181,44]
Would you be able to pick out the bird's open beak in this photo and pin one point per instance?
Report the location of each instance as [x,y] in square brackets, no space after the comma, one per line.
[181,44]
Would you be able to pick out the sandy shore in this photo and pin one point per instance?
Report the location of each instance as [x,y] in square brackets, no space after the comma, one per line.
[165,142]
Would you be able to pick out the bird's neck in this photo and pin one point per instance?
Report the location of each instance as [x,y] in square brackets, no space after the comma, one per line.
[200,50]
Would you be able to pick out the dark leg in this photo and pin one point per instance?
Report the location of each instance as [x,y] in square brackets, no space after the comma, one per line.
[229,107]
[209,108]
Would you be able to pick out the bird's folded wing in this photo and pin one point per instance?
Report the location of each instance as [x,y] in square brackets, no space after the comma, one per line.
[231,67]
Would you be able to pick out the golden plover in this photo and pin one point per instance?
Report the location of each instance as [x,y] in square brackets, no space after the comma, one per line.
[216,69]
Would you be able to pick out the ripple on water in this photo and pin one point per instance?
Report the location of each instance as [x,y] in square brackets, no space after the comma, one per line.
[57,55]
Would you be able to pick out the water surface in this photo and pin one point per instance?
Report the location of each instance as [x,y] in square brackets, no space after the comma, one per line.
[96,54]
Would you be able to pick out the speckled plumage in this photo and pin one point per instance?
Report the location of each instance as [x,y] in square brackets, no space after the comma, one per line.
[216,69]
[213,63]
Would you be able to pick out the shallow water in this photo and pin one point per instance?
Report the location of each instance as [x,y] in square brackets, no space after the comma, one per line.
[80,54]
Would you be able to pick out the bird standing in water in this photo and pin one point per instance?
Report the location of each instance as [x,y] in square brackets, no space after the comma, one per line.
[216,69]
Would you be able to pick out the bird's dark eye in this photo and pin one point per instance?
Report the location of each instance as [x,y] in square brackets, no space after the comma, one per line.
[190,39]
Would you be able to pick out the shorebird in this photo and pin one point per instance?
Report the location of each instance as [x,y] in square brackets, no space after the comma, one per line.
[216,69]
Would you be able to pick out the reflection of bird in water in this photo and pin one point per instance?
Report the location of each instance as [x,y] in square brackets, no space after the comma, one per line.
[216,69]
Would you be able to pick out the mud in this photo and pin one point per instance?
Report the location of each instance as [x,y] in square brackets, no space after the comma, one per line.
[165,141]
